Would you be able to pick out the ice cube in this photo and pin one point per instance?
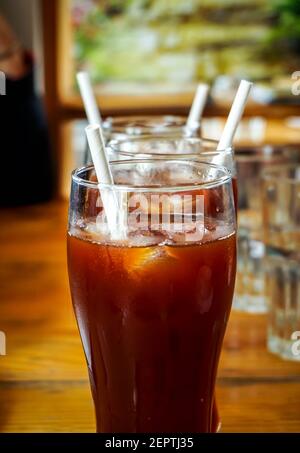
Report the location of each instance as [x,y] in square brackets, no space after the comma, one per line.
[137,258]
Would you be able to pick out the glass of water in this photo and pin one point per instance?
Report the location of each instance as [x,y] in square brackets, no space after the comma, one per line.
[281,218]
[130,127]
[251,163]
[120,128]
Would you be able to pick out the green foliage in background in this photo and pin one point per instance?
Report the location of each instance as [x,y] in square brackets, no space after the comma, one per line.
[182,41]
[287,29]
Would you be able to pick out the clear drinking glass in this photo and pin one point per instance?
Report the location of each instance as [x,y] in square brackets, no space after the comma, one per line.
[133,126]
[281,208]
[175,147]
[152,302]
[129,127]
[250,294]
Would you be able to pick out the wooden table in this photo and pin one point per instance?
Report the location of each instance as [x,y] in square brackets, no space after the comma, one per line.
[43,378]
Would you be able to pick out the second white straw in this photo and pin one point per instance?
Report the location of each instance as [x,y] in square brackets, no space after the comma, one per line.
[198,105]
[88,98]
[235,115]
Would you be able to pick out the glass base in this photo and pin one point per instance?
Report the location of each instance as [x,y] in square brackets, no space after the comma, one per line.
[283,348]
[250,304]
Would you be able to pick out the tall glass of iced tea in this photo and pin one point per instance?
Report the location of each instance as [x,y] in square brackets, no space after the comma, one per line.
[152,298]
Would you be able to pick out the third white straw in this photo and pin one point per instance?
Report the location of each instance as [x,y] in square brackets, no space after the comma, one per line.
[198,105]
[235,114]
[88,98]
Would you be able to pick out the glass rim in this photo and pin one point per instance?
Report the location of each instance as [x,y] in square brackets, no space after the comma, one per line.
[214,182]
[114,121]
[275,174]
[113,145]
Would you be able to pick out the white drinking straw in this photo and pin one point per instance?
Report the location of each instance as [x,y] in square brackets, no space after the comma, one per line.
[97,148]
[88,98]
[104,176]
[235,115]
[198,105]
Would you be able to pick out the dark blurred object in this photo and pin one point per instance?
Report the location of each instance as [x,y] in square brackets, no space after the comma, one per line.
[26,163]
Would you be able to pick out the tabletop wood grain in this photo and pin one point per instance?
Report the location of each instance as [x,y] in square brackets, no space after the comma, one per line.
[43,377]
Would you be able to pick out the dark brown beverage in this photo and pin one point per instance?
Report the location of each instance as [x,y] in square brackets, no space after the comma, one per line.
[152,321]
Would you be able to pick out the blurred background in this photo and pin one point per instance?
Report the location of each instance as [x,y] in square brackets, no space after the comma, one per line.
[144,57]
[161,45]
